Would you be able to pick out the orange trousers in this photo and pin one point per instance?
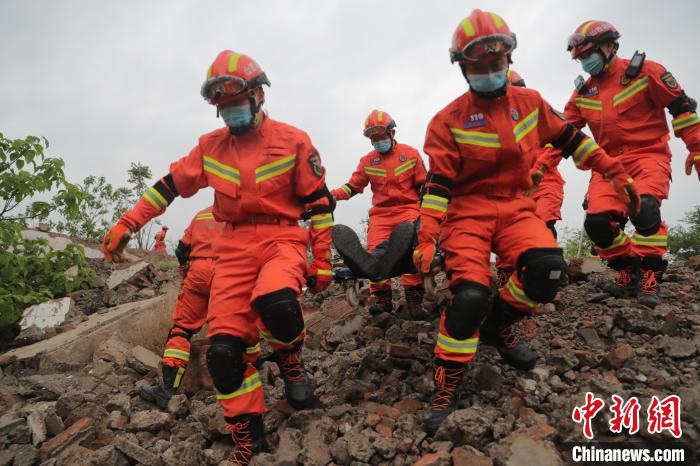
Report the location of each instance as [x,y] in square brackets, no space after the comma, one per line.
[475,226]
[252,261]
[652,176]
[382,221]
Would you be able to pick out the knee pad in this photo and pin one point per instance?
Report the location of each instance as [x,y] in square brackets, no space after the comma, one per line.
[281,314]
[225,362]
[600,229]
[551,227]
[470,306]
[648,220]
[540,271]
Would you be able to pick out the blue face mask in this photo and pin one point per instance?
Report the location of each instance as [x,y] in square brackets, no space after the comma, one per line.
[593,64]
[238,116]
[488,82]
[382,146]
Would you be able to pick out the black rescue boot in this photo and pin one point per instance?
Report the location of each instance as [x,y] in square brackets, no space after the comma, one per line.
[248,434]
[297,388]
[346,242]
[383,302]
[505,328]
[626,284]
[161,394]
[447,376]
[651,270]
[414,302]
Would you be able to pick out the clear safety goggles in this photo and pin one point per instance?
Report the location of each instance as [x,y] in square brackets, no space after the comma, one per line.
[479,49]
[223,86]
[576,41]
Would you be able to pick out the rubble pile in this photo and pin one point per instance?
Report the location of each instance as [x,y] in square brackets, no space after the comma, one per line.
[373,378]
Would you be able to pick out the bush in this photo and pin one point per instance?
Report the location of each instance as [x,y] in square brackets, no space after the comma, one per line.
[31,272]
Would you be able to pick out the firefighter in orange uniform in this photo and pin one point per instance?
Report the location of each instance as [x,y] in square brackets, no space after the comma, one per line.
[159,245]
[396,174]
[623,105]
[481,148]
[267,176]
[548,194]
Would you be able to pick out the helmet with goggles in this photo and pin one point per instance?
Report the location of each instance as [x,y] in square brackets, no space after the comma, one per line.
[230,75]
[589,36]
[479,36]
[378,123]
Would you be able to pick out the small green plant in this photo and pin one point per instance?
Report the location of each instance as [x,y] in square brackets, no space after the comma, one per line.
[31,272]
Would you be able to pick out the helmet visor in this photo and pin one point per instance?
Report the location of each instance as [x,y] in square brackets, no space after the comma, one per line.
[223,86]
[479,49]
[373,131]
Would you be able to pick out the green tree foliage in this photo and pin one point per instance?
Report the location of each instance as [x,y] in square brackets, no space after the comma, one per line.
[31,272]
[575,243]
[139,176]
[684,240]
[26,172]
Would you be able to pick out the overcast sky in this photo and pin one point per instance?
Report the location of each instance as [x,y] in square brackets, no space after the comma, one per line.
[109,83]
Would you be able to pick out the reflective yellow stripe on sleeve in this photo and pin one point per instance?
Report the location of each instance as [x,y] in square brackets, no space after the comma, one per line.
[637,86]
[684,122]
[590,104]
[431,201]
[529,123]
[207,216]
[405,167]
[155,199]
[584,150]
[375,171]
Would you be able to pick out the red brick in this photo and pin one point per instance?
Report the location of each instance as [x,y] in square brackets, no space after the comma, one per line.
[79,431]
[385,427]
[400,351]
[466,457]
[387,411]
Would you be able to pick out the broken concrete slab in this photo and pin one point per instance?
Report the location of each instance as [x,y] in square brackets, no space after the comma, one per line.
[143,360]
[120,276]
[143,322]
[48,314]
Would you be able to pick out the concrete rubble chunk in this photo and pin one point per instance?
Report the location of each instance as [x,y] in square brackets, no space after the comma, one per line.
[152,421]
[136,452]
[46,315]
[143,360]
[113,350]
[120,276]
[36,424]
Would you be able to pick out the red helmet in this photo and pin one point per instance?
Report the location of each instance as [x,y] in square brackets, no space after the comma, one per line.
[378,123]
[165,227]
[480,35]
[515,78]
[589,36]
[231,74]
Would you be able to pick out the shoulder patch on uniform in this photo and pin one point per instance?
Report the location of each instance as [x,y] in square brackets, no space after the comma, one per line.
[315,162]
[402,158]
[557,113]
[669,80]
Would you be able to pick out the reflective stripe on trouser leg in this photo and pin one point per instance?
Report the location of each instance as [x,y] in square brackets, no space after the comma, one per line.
[451,349]
[380,285]
[513,294]
[177,352]
[247,399]
[653,245]
[278,345]
[620,247]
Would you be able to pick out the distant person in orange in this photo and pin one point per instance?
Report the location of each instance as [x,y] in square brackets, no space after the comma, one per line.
[159,245]
[623,103]
[396,174]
